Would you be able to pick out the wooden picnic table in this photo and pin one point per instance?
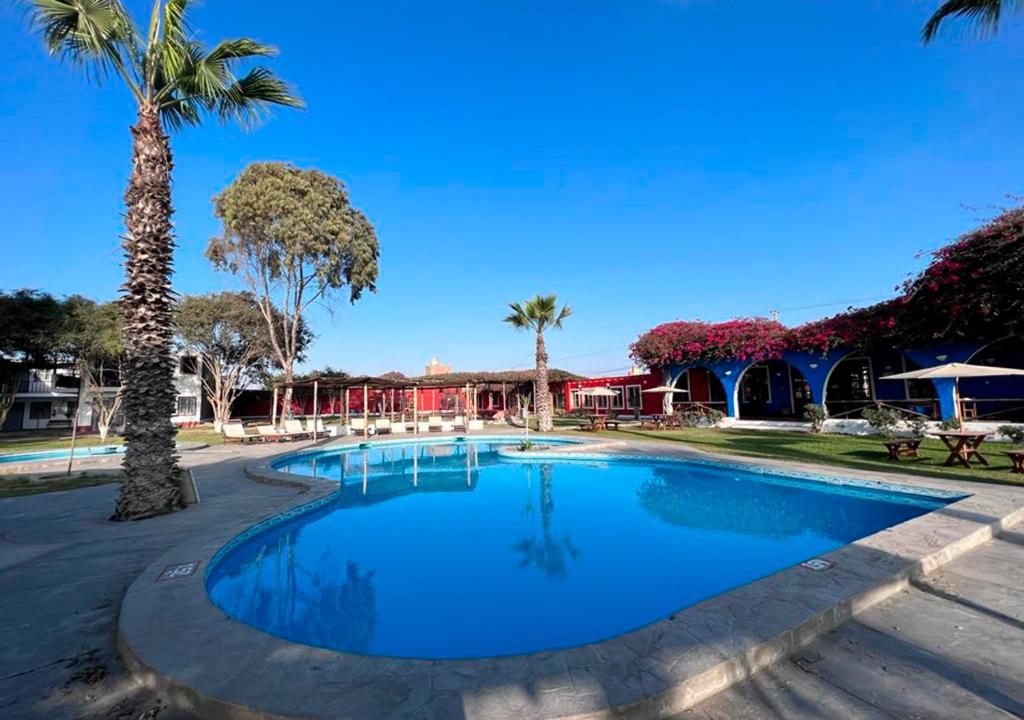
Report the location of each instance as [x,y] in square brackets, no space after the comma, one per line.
[600,422]
[963,446]
[905,447]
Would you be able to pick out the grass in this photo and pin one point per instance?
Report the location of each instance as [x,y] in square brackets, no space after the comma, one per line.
[848,451]
[15,486]
[37,440]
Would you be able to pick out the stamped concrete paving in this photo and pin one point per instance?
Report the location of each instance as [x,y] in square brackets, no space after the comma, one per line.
[64,570]
[951,647]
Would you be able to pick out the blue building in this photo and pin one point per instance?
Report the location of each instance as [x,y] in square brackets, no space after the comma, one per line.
[848,380]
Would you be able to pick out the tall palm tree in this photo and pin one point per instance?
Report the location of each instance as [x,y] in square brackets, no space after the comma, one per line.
[985,13]
[175,81]
[539,314]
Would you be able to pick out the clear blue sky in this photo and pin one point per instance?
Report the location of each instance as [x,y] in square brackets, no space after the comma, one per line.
[647,160]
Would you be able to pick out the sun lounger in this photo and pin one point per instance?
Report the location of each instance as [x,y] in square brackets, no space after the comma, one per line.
[357,425]
[434,423]
[399,427]
[383,425]
[459,423]
[295,429]
[475,425]
[424,427]
[269,433]
[236,432]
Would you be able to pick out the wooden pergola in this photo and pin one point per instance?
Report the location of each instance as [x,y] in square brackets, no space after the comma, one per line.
[468,382]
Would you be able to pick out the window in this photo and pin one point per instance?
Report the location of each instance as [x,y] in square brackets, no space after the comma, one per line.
[617,400]
[188,365]
[634,400]
[187,405]
[574,398]
[40,410]
[756,385]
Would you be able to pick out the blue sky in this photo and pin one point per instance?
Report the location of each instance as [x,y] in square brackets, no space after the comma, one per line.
[647,160]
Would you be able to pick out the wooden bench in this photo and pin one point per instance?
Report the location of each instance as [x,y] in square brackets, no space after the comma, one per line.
[902,448]
[1017,458]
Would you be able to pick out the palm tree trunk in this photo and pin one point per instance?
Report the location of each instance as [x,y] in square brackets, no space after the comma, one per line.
[149,484]
[542,392]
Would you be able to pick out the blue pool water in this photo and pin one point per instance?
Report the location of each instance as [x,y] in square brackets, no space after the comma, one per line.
[62,454]
[451,551]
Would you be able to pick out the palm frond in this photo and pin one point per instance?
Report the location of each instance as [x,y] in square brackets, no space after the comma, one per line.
[97,34]
[984,13]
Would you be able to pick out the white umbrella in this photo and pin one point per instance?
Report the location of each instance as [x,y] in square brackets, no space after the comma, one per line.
[955,371]
[667,391]
[597,392]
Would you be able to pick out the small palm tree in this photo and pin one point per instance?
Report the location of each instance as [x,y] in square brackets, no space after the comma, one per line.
[985,13]
[538,315]
[175,80]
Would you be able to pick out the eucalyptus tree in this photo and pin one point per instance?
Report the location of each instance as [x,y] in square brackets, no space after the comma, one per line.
[985,14]
[227,331]
[175,81]
[539,314]
[294,239]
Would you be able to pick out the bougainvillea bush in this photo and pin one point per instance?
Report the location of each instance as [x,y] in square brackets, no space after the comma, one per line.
[753,339]
[971,289]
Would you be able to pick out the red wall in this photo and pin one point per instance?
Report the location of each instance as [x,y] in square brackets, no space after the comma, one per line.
[651,403]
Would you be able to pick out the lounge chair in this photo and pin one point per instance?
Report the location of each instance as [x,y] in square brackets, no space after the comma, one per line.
[236,432]
[383,425]
[459,423]
[475,425]
[295,429]
[400,427]
[269,433]
[357,425]
[423,427]
[434,423]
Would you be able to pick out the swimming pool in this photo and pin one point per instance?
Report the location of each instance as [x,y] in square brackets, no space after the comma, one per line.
[449,550]
[83,452]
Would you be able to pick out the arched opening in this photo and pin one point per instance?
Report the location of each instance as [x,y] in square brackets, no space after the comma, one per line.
[702,390]
[856,382]
[995,398]
[772,390]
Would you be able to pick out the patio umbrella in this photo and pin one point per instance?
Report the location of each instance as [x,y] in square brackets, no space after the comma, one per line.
[955,371]
[667,391]
[597,392]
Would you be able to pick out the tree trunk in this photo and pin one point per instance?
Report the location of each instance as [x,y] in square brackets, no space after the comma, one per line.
[542,393]
[286,403]
[149,484]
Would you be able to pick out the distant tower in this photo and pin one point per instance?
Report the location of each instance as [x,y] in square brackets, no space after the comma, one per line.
[775,315]
[434,367]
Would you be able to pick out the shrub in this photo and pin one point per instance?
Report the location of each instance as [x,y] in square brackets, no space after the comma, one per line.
[917,426]
[882,420]
[1014,433]
[816,415]
[694,418]
[951,424]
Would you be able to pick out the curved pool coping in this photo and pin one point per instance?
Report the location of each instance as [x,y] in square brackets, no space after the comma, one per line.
[177,640]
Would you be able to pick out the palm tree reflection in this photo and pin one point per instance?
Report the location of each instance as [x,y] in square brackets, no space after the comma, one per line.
[328,601]
[545,553]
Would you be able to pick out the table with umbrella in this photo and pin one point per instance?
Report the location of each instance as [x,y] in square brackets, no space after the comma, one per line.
[597,422]
[963,445]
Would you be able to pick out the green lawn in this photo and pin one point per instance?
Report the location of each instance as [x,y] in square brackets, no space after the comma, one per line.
[859,453]
[33,440]
[16,485]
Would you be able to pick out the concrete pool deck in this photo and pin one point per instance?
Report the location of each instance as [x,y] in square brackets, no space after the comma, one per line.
[166,629]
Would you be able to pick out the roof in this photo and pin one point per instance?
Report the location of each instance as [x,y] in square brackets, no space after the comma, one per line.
[429,381]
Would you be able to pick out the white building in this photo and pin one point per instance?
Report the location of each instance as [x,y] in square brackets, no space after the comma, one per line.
[49,398]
